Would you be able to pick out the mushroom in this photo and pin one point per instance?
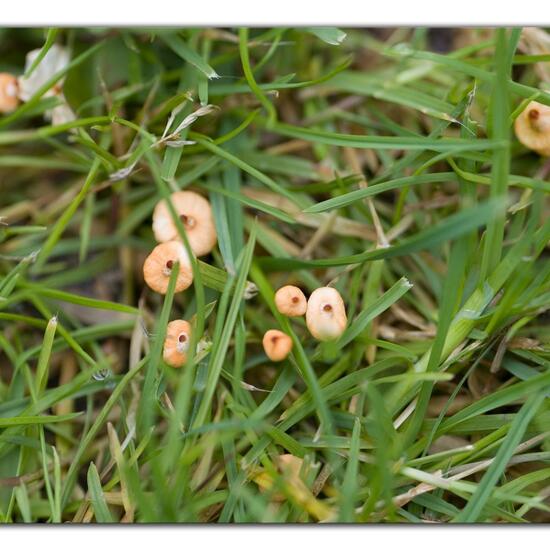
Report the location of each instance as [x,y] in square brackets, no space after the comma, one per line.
[326,314]
[277,345]
[8,93]
[532,128]
[159,264]
[290,467]
[196,215]
[176,343]
[290,301]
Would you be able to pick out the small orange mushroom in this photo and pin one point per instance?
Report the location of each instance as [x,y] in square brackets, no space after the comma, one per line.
[176,343]
[326,314]
[196,215]
[532,128]
[8,93]
[290,301]
[277,345]
[159,264]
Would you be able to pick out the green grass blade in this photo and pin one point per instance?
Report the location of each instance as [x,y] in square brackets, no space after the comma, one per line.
[97,498]
[178,45]
[474,508]
[452,227]
[371,312]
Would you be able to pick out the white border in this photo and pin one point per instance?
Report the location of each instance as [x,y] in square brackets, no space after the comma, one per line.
[274,12]
[234,537]
[343,13]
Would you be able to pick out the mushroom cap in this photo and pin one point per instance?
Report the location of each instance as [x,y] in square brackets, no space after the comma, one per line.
[8,93]
[277,345]
[290,301]
[532,127]
[326,314]
[196,215]
[289,465]
[158,265]
[176,343]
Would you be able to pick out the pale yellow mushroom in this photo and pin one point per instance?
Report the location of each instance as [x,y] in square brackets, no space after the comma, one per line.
[326,314]
[532,128]
[196,215]
[159,264]
[176,343]
[8,93]
[277,345]
[290,301]
[289,465]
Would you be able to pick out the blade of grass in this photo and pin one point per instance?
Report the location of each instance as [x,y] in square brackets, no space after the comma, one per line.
[146,408]
[249,75]
[452,227]
[97,497]
[500,110]
[178,45]
[475,505]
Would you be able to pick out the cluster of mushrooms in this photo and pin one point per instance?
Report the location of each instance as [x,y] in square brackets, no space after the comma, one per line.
[325,311]
[325,317]
[196,216]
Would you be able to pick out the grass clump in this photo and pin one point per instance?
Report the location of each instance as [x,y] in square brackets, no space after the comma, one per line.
[381,163]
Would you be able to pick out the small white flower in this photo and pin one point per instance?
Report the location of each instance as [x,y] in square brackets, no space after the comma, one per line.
[54,61]
[61,113]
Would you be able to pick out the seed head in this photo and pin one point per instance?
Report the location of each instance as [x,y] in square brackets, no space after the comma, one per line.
[532,128]
[277,345]
[326,314]
[159,264]
[196,216]
[176,343]
[290,301]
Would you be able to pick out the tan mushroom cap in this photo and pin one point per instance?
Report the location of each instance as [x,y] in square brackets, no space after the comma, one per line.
[9,99]
[532,127]
[277,345]
[158,267]
[326,314]
[290,301]
[176,343]
[289,465]
[195,213]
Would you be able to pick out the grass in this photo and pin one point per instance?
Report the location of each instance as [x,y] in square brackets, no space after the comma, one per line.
[370,160]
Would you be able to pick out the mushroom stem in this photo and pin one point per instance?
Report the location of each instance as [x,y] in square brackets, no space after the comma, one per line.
[534,116]
[168,268]
[182,344]
[188,221]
